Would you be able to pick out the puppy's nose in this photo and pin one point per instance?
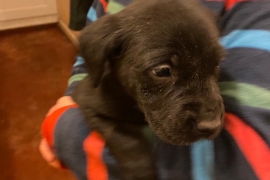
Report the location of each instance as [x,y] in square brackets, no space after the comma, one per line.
[208,126]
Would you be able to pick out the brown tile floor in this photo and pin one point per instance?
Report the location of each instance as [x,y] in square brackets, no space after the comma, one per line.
[35,65]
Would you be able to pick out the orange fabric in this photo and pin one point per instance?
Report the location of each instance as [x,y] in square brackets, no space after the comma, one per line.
[104,4]
[251,144]
[231,3]
[93,147]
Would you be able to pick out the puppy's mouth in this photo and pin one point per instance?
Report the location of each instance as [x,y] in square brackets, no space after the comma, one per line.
[184,132]
[208,129]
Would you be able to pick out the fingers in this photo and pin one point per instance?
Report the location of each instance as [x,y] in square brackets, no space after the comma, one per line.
[63,101]
[44,148]
[48,155]
[51,110]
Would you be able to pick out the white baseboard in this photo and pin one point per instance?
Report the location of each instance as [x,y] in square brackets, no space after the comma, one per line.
[72,37]
[25,22]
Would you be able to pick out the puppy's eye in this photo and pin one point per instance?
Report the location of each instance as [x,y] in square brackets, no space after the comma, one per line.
[217,69]
[162,71]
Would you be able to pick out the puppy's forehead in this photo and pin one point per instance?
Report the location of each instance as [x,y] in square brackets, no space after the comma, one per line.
[166,15]
[164,29]
[178,52]
[177,27]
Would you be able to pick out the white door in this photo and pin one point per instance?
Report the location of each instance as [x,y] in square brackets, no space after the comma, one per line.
[20,13]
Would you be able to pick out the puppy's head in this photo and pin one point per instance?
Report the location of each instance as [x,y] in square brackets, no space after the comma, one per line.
[166,56]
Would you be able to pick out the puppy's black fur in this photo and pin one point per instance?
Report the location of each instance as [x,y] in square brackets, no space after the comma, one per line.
[155,62]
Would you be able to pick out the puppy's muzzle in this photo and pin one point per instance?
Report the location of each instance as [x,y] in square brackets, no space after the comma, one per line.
[207,118]
[208,126]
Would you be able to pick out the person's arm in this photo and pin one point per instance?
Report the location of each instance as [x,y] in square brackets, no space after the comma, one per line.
[48,127]
[69,143]
[78,73]
[242,150]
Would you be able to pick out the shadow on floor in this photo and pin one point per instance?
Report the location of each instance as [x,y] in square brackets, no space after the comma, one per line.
[35,66]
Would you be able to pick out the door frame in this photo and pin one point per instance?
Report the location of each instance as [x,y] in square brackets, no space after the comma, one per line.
[28,16]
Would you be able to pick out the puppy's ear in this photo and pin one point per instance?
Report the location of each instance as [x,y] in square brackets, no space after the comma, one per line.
[100,42]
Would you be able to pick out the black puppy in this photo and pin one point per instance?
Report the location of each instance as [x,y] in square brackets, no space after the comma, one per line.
[156,62]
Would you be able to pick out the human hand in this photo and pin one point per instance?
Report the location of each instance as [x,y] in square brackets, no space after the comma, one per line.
[63,101]
[48,154]
[44,148]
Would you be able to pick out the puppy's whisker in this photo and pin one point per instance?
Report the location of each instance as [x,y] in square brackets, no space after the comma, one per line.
[157,144]
[136,107]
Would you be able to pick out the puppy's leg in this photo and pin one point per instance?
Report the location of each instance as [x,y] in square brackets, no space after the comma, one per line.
[125,140]
[130,148]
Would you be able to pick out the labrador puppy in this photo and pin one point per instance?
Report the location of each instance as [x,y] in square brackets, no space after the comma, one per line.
[155,62]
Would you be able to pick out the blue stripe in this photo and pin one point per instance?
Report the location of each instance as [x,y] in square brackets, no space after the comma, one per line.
[202,157]
[92,14]
[79,61]
[71,152]
[111,164]
[258,39]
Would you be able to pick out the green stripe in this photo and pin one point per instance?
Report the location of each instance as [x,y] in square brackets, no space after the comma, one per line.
[114,7]
[148,134]
[77,77]
[246,94]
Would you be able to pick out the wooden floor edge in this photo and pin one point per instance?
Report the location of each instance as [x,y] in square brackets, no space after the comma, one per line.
[72,37]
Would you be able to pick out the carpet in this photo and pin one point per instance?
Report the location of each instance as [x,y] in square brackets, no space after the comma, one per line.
[36,63]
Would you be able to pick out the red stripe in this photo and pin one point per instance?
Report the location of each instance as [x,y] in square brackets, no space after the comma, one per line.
[104,4]
[93,146]
[214,0]
[231,3]
[48,125]
[251,144]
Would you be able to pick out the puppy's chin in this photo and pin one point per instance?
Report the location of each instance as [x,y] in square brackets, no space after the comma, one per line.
[185,139]
[182,135]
